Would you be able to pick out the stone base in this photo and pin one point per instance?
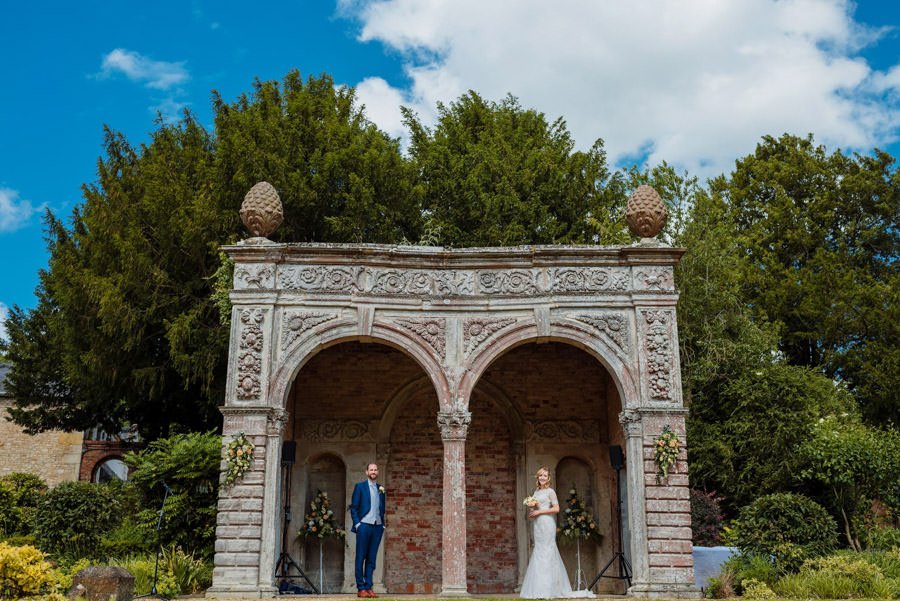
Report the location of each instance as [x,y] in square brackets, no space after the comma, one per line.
[665,591]
[241,592]
[454,592]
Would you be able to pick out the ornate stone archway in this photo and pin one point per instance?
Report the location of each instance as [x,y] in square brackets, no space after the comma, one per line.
[454,312]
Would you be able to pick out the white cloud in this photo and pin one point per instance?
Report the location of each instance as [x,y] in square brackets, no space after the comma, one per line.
[159,75]
[15,213]
[4,313]
[696,83]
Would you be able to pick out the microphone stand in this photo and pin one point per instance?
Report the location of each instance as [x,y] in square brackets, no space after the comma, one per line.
[153,592]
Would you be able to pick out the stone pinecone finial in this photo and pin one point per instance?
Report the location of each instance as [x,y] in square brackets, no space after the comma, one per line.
[645,212]
[261,210]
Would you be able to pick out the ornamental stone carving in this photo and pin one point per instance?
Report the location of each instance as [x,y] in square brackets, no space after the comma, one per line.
[563,431]
[454,425]
[321,430]
[432,330]
[320,278]
[254,276]
[613,325]
[645,212]
[654,278]
[261,210]
[297,322]
[250,354]
[519,281]
[276,421]
[659,354]
[477,330]
[588,279]
[631,422]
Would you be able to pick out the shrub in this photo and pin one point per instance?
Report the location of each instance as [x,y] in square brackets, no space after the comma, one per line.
[840,576]
[27,490]
[721,587]
[128,538]
[23,572]
[8,512]
[883,539]
[754,589]
[179,572]
[73,516]
[750,567]
[706,519]
[789,527]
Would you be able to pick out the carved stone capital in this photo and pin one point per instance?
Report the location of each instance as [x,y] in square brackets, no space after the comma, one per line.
[454,425]
[276,420]
[631,422]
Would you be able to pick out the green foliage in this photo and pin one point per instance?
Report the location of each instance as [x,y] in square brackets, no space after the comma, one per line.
[577,520]
[180,573]
[23,572]
[750,566]
[837,577]
[754,589]
[73,516]
[883,539]
[9,521]
[789,527]
[320,521]
[497,174]
[854,464]
[706,519]
[19,496]
[189,465]
[819,234]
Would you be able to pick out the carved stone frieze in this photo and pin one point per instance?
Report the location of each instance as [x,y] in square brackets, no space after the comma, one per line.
[659,352]
[564,431]
[478,329]
[250,354]
[454,425]
[588,279]
[320,278]
[433,330]
[254,276]
[516,281]
[297,322]
[613,325]
[324,430]
[654,278]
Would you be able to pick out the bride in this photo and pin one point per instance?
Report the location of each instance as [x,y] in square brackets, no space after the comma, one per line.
[546,576]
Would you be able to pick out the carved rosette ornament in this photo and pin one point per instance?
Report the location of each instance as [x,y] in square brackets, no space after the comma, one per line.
[613,325]
[659,355]
[588,279]
[250,355]
[645,212]
[261,210]
[297,322]
[655,278]
[320,278]
[517,281]
[454,425]
[431,330]
[477,330]
[334,431]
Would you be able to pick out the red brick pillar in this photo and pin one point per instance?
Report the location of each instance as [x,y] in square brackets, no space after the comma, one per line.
[454,425]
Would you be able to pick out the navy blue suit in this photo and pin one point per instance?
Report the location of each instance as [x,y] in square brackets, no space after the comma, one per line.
[368,536]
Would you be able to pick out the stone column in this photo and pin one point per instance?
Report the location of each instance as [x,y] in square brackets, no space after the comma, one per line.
[454,425]
[272,510]
[634,472]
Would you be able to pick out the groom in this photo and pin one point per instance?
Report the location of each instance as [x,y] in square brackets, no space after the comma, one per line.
[367,513]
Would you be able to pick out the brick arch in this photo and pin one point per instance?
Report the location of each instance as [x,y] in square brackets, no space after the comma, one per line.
[341,331]
[559,331]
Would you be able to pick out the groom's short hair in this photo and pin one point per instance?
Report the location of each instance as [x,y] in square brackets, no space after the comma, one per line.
[370,464]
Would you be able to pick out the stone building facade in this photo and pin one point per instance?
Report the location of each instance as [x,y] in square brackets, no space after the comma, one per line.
[460,372]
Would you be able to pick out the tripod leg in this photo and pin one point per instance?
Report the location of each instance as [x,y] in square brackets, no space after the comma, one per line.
[602,572]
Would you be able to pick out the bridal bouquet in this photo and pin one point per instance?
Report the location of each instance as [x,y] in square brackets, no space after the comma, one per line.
[530,502]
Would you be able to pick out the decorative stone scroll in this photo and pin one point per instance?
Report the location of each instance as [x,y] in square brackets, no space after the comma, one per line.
[297,322]
[323,430]
[454,425]
[250,354]
[432,330]
[479,329]
[589,279]
[418,282]
[658,347]
[518,281]
[254,276]
[654,278]
[613,325]
[320,278]
[563,431]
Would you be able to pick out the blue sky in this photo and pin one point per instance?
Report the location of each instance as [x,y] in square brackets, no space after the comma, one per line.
[694,82]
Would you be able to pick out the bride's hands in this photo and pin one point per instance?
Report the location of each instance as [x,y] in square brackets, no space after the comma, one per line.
[534,513]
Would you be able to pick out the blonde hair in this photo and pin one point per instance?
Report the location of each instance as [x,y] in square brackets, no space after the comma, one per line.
[537,483]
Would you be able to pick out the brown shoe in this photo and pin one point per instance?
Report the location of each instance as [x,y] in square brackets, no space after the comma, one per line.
[371,593]
[362,594]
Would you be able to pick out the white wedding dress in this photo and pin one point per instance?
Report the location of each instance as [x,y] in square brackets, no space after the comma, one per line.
[546,576]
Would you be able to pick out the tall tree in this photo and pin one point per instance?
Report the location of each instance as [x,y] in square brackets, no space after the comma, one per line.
[497,174]
[820,234]
[126,330]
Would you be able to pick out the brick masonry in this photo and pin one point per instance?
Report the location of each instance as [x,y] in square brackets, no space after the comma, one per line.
[55,456]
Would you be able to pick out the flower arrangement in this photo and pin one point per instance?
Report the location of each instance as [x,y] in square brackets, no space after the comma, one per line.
[530,502]
[239,457]
[666,449]
[578,523]
[320,521]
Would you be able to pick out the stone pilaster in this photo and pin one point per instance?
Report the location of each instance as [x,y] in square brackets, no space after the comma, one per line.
[454,426]
[634,472]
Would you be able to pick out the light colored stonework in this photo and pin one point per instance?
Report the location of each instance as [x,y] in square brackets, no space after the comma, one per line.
[451,317]
[55,456]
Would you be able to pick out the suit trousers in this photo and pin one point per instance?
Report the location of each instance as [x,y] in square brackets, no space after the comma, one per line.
[368,537]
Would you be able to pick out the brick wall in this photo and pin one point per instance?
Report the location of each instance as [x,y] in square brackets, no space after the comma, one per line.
[54,456]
